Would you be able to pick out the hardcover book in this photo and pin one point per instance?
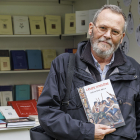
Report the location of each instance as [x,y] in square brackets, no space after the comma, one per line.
[53,24]
[34,90]
[48,56]
[18,60]
[2,124]
[37,25]
[39,90]
[22,92]
[70,23]
[1,116]
[6,25]
[71,50]
[8,112]
[4,53]
[100,104]
[24,108]
[21,25]
[82,21]
[34,59]
[5,63]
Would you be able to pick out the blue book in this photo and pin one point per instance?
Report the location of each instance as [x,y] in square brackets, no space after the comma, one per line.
[6,88]
[34,59]
[1,116]
[18,60]
[22,92]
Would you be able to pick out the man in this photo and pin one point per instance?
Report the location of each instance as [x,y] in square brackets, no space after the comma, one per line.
[96,60]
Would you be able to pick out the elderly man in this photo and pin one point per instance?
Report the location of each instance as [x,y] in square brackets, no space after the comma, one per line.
[96,60]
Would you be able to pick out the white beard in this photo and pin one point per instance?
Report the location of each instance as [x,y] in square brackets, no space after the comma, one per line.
[101,53]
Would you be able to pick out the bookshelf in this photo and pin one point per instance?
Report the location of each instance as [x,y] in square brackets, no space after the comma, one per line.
[24,42]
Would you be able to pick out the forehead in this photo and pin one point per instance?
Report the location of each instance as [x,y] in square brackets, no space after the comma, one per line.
[111,19]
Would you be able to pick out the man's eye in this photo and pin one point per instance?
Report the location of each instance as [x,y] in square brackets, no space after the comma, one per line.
[115,32]
[103,28]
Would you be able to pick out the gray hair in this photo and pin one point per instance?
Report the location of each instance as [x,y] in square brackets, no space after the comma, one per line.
[113,8]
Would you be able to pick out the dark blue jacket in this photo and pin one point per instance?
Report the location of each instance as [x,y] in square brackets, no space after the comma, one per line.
[124,74]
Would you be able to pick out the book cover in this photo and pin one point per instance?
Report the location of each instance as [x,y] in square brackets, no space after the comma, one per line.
[34,58]
[34,90]
[22,92]
[70,23]
[48,56]
[6,25]
[25,108]
[39,90]
[5,64]
[8,112]
[21,25]
[82,21]
[1,116]
[53,24]
[4,53]
[18,60]
[5,97]
[37,25]
[100,104]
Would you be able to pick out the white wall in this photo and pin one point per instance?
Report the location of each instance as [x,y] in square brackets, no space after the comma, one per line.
[134,49]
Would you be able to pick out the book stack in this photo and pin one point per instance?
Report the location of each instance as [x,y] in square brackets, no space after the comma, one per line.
[2,124]
[35,118]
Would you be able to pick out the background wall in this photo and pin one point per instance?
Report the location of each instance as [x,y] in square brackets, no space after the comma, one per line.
[134,49]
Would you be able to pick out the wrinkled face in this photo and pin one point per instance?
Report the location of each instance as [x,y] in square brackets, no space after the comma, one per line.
[105,44]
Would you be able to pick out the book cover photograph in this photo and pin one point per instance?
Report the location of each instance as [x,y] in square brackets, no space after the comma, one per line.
[100,104]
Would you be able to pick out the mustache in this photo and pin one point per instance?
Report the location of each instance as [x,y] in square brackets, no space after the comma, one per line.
[104,40]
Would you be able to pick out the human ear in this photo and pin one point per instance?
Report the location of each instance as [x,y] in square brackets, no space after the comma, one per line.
[90,28]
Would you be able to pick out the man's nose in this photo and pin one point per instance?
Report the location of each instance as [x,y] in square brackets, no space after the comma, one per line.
[107,34]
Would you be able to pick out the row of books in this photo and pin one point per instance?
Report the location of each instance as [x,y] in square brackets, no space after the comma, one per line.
[19,92]
[49,24]
[29,59]
[19,114]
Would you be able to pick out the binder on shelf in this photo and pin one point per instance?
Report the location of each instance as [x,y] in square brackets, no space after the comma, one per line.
[34,59]
[6,25]
[37,25]
[53,24]
[48,56]
[82,21]
[18,60]
[21,25]
[22,92]
[70,23]
[24,108]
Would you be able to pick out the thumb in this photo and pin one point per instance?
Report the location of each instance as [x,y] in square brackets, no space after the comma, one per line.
[107,131]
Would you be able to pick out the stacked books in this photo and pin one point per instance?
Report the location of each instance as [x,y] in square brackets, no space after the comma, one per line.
[35,118]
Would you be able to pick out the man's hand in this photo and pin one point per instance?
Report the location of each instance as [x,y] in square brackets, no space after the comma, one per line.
[101,131]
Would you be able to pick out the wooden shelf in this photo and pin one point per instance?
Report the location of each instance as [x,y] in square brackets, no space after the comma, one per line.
[25,71]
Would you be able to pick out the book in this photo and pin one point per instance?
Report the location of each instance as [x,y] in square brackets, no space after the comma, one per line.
[8,112]
[37,25]
[34,58]
[6,25]
[70,23]
[98,108]
[39,90]
[34,117]
[5,97]
[2,124]
[82,21]
[34,90]
[22,92]
[1,116]
[53,24]
[71,50]
[21,122]
[24,108]
[5,64]
[21,25]
[48,56]
[18,60]
[6,94]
